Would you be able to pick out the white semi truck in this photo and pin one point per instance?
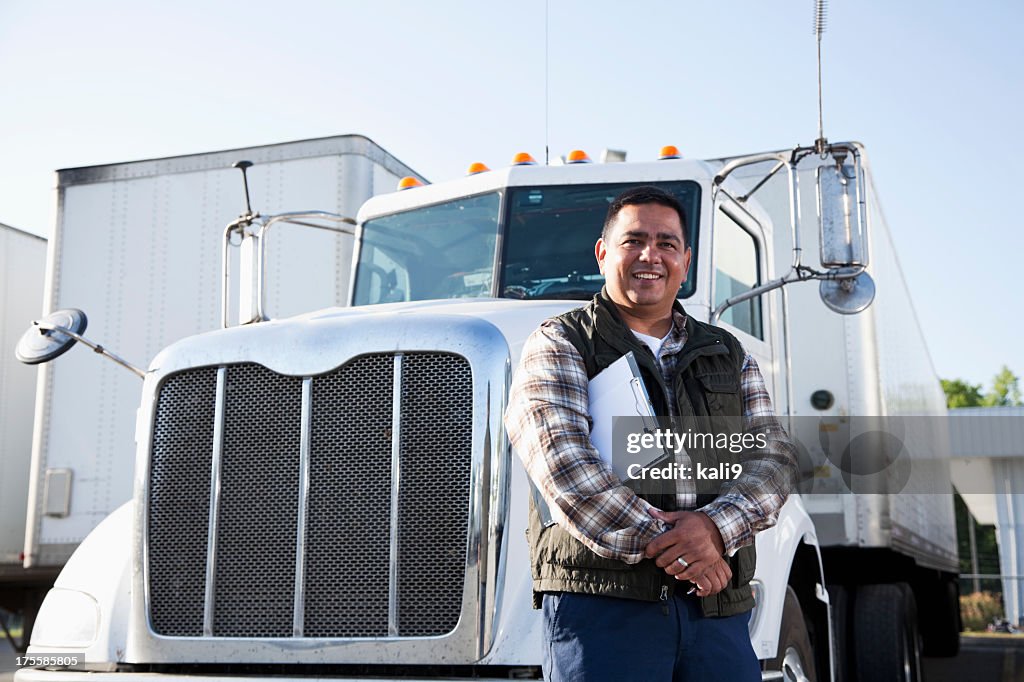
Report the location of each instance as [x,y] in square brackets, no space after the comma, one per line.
[332,494]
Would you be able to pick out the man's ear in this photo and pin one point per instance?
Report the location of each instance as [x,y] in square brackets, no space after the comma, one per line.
[686,262]
[599,253]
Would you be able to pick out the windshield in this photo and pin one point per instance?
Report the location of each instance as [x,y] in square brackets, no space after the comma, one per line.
[549,242]
[447,250]
[440,251]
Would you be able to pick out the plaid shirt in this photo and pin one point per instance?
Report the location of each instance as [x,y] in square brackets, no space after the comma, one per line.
[548,424]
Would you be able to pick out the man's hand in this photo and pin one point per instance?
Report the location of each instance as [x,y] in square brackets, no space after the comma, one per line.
[714,580]
[695,538]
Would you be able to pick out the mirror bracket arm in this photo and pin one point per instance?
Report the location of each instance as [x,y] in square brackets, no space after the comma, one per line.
[798,273]
[794,275]
[47,326]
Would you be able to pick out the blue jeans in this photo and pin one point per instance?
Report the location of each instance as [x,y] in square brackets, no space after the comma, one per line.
[587,638]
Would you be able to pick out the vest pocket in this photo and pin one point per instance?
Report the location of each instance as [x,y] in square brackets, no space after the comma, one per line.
[722,393]
[720,382]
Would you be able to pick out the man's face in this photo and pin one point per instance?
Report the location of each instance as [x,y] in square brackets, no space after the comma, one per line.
[644,259]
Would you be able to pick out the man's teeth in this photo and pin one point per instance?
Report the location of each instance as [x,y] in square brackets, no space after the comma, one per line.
[646,275]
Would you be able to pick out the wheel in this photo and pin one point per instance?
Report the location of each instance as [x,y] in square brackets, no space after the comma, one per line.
[888,644]
[795,658]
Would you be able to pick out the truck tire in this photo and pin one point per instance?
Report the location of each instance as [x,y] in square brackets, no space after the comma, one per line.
[795,659]
[887,641]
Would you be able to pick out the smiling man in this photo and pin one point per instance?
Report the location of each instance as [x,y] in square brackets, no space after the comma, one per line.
[613,569]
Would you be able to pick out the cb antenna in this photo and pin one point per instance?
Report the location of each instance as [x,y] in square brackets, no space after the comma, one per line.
[820,10]
[547,71]
[243,166]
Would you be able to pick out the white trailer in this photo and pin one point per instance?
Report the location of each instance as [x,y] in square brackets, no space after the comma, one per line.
[22,263]
[333,493]
[140,246]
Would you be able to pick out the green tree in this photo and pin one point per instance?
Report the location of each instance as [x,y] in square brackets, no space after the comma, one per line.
[1005,389]
[959,393]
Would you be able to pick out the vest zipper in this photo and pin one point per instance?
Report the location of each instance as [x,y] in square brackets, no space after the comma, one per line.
[664,593]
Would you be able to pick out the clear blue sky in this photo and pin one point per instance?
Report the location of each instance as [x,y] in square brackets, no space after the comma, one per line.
[933,89]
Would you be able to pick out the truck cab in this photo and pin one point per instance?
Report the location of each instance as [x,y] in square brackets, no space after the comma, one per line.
[527,233]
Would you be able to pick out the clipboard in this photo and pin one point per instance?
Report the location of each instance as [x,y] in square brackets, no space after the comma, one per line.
[619,391]
[616,391]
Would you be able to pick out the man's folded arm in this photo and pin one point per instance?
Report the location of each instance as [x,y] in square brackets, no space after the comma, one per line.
[751,503]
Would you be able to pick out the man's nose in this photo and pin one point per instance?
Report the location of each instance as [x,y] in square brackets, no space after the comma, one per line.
[650,254]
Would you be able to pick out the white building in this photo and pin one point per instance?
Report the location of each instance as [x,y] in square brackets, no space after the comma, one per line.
[988,469]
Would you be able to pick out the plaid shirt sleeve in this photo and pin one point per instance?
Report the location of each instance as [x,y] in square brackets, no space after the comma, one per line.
[548,424]
[752,502]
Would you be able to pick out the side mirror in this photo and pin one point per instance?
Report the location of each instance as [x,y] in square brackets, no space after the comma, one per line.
[842,226]
[842,219]
[51,336]
[847,295]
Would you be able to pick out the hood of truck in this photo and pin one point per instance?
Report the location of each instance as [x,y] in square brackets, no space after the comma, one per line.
[307,344]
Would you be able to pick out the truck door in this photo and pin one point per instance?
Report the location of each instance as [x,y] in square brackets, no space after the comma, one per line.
[738,264]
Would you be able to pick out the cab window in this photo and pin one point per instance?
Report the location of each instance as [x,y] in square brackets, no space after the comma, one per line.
[737,269]
[443,250]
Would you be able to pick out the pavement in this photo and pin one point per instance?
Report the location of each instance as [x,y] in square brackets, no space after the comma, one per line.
[981,659]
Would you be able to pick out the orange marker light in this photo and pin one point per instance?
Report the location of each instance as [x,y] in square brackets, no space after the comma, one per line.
[669,151]
[477,167]
[523,159]
[408,182]
[577,156]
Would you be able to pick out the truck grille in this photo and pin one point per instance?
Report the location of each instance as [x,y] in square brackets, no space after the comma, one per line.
[382,523]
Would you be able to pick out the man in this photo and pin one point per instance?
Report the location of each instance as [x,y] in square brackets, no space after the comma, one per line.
[642,587]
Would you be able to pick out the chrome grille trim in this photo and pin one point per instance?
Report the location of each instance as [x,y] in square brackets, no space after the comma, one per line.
[396,476]
[211,541]
[486,597]
[298,617]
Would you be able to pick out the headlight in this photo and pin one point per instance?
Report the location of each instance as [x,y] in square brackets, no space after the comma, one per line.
[67,619]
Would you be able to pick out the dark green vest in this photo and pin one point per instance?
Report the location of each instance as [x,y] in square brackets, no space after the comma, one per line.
[706,384]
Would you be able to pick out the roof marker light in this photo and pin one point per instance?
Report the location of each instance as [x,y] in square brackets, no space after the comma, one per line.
[577,156]
[408,182]
[523,159]
[669,151]
[477,167]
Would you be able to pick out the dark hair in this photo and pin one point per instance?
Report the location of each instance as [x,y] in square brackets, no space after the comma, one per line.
[646,194]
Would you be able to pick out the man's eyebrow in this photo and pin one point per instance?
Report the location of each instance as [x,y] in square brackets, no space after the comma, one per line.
[663,236]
